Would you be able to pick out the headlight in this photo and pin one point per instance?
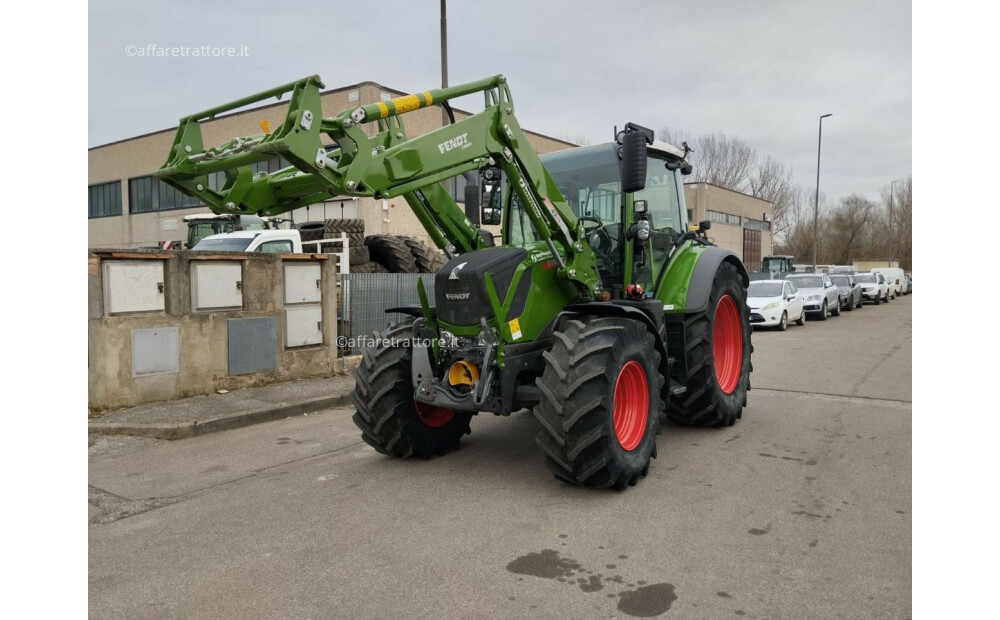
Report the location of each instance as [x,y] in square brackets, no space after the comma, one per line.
[770,306]
[845,291]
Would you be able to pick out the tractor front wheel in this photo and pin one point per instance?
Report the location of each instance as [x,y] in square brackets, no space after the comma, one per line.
[600,402]
[389,419]
[718,348]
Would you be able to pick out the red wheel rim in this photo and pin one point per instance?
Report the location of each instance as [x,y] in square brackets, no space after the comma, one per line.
[727,344]
[432,416]
[631,406]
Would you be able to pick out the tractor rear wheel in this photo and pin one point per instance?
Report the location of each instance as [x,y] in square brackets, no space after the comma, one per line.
[389,419]
[718,349]
[600,402]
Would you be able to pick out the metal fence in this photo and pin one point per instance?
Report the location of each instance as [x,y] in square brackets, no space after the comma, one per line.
[364,299]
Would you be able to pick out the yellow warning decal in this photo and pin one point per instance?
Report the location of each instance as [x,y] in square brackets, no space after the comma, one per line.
[406,104]
[383,110]
[515,329]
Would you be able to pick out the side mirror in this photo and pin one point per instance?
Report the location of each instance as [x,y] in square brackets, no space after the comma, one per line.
[472,204]
[633,156]
[704,225]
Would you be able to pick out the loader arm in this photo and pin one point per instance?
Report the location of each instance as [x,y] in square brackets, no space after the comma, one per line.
[338,157]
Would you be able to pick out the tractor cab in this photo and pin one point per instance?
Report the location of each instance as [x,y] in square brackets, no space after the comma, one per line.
[590,179]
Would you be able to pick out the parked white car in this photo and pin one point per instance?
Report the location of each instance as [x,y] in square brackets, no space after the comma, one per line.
[874,288]
[819,294]
[895,278]
[773,303]
[274,241]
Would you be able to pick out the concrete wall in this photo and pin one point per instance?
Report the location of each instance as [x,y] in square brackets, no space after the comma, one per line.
[203,336]
[704,197]
[140,156]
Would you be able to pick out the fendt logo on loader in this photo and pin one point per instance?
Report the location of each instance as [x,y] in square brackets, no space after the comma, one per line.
[458,142]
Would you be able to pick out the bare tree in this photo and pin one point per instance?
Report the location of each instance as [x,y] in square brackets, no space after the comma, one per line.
[848,224]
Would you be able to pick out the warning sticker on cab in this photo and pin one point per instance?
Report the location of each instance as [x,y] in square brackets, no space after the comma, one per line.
[515,329]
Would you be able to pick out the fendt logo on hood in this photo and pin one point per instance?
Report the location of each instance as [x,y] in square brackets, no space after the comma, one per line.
[457,296]
[458,142]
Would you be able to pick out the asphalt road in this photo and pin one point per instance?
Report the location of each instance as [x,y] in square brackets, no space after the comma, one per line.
[801,510]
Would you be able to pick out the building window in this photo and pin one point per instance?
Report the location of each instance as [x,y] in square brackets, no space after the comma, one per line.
[758,225]
[690,215]
[105,199]
[146,194]
[724,218]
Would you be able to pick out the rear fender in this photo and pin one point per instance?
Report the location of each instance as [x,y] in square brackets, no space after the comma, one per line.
[687,283]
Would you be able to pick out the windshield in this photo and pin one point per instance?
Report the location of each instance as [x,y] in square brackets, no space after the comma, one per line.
[841,280]
[764,289]
[228,244]
[808,281]
[865,279]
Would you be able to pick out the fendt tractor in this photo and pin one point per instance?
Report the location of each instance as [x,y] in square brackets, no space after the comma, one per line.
[601,310]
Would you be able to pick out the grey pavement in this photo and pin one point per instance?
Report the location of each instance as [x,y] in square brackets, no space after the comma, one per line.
[187,417]
[801,510]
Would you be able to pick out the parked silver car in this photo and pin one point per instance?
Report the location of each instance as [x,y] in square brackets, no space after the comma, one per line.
[819,294]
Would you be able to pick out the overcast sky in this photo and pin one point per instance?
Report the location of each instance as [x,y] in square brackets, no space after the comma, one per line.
[763,70]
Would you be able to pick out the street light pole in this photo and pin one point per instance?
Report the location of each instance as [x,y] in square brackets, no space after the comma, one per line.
[819,151]
[891,235]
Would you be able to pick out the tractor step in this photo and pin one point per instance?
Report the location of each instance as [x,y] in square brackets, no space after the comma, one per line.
[676,389]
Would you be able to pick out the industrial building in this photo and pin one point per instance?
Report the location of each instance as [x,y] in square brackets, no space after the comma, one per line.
[740,223]
[129,208]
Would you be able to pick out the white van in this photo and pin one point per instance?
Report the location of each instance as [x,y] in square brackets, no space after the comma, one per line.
[896,279]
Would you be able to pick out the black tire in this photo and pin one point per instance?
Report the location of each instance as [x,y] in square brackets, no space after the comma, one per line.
[428,259]
[588,359]
[861,303]
[348,225]
[310,226]
[386,412]
[378,268]
[783,325]
[850,304]
[358,255]
[878,300]
[822,312]
[392,253]
[705,403]
[801,320]
[836,310]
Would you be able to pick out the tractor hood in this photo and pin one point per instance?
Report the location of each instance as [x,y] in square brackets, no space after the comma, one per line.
[460,290]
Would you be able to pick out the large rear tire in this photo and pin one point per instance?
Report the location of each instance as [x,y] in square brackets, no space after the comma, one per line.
[717,356]
[389,419]
[601,402]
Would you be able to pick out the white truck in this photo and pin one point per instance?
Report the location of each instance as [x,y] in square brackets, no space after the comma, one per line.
[276,242]
[896,279]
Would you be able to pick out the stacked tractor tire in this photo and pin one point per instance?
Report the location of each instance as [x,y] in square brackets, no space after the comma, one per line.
[375,253]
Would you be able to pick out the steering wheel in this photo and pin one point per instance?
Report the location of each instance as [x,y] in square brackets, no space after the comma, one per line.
[597,236]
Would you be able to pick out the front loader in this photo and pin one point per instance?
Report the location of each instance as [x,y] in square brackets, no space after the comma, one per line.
[602,311]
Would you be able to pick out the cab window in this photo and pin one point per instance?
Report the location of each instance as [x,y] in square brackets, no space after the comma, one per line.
[276,247]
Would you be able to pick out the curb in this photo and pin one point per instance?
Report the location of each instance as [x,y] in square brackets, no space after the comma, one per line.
[193,428]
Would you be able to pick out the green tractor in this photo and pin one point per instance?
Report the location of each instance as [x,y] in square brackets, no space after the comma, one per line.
[602,311]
